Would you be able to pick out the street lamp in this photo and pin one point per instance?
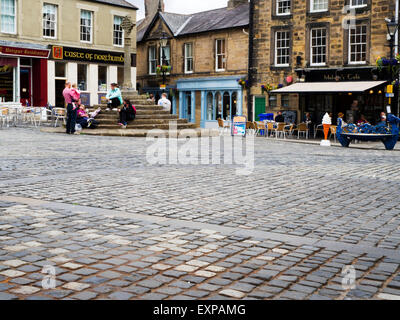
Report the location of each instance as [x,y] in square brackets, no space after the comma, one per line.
[163,44]
[392,27]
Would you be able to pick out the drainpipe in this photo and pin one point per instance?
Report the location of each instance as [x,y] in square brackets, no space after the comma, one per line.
[251,61]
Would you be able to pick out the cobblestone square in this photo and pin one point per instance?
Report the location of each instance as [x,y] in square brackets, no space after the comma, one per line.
[114,227]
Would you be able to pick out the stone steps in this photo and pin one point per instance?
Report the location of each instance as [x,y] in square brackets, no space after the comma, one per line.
[142,121]
[135,126]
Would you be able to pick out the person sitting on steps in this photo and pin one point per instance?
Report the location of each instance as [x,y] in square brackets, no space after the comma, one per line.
[126,113]
[114,97]
[86,120]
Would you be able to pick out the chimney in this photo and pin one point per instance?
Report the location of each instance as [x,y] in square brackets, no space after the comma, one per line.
[234,3]
[151,7]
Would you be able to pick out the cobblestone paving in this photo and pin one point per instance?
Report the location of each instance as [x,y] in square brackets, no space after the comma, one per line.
[116,228]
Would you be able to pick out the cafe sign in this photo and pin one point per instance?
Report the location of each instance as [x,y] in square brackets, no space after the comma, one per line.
[24,52]
[87,55]
[344,74]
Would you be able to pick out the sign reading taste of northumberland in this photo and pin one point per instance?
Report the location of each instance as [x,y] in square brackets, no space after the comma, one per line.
[87,55]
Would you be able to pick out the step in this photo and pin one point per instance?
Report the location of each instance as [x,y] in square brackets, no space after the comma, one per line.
[138,107]
[147,126]
[142,121]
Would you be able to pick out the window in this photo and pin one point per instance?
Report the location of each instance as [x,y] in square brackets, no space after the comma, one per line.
[285,100]
[358,44]
[82,77]
[118,32]
[318,47]
[102,78]
[319,5]
[220,55]
[60,70]
[283,7]
[188,58]
[282,48]
[49,20]
[272,101]
[152,60]
[165,56]
[86,26]
[358,3]
[8,16]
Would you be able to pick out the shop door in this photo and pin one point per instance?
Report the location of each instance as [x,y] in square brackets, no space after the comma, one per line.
[259,107]
[60,85]
[26,85]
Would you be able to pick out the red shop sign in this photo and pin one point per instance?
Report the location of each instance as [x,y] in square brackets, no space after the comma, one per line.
[24,52]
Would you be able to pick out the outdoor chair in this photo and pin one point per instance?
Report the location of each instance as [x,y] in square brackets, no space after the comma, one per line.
[269,128]
[317,128]
[289,129]
[302,129]
[250,128]
[333,132]
[223,126]
[260,128]
[59,114]
[280,130]
[4,116]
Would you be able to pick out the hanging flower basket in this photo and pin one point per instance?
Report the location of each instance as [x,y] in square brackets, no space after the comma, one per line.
[163,69]
[389,66]
[244,83]
[267,88]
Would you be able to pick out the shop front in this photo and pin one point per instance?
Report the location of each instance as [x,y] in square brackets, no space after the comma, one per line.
[92,70]
[213,98]
[23,73]
[355,92]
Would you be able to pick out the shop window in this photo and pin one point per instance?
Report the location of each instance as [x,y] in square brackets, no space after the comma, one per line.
[152,60]
[318,46]
[218,101]
[120,76]
[82,77]
[283,7]
[102,78]
[25,61]
[86,29]
[319,5]
[7,73]
[60,70]
[220,55]
[272,101]
[8,16]
[358,3]
[188,57]
[285,100]
[210,107]
[358,44]
[282,48]
[118,32]
[49,20]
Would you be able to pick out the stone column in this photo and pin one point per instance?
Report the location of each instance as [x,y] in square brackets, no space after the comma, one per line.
[127,25]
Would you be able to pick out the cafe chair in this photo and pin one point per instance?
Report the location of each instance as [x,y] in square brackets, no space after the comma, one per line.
[302,129]
[250,128]
[269,128]
[59,114]
[4,116]
[333,130]
[317,128]
[280,130]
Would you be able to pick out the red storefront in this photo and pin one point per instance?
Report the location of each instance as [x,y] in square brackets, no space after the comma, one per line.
[23,73]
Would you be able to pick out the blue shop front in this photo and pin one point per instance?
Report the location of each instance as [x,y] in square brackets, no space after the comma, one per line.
[204,100]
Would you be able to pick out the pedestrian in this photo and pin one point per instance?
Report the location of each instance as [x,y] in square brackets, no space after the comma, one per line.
[165,103]
[114,97]
[71,110]
[76,95]
[127,113]
[279,118]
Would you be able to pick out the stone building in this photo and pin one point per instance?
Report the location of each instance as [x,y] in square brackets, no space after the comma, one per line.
[300,44]
[45,43]
[207,53]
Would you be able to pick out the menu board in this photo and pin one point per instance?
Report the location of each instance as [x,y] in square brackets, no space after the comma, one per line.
[239,126]
[6,83]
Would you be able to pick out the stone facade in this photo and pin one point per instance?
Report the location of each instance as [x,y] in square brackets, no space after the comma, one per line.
[299,22]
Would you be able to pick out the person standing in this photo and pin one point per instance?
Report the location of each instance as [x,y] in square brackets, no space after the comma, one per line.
[71,110]
[114,97]
[165,103]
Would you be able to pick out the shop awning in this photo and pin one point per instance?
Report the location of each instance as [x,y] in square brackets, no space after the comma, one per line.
[329,87]
[23,49]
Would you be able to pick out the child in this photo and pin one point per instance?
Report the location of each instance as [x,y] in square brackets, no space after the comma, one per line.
[76,95]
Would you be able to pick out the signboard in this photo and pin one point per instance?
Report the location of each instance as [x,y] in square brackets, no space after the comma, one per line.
[239,126]
[389,95]
[163,87]
[345,74]
[88,55]
[389,89]
[24,52]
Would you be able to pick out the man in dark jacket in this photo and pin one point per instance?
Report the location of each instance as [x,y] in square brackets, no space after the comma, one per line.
[279,117]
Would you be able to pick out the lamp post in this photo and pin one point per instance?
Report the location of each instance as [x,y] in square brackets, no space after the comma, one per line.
[392,27]
[163,44]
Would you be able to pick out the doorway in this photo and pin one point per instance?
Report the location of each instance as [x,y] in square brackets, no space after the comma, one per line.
[259,107]
[26,86]
[60,85]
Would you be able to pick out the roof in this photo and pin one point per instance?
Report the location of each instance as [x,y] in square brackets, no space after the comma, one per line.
[118,3]
[181,24]
[22,45]
[329,87]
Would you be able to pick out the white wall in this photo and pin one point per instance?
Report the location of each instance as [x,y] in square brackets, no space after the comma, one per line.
[133,77]
[93,77]
[72,72]
[51,82]
[112,75]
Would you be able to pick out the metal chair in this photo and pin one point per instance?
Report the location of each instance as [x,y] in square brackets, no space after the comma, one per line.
[280,130]
[302,128]
[333,130]
[59,114]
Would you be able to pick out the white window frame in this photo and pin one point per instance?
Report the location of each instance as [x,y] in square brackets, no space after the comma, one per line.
[91,26]
[122,35]
[349,45]
[55,21]
[15,19]
[311,47]
[312,2]
[188,58]
[358,5]
[284,13]
[276,49]
[220,54]
[154,59]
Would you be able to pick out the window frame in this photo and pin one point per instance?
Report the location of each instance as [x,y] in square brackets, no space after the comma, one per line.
[55,21]
[86,68]
[358,5]
[276,48]
[15,18]
[122,33]
[91,26]
[349,46]
[312,64]
[312,10]
[154,59]
[285,13]
[223,55]
[186,58]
